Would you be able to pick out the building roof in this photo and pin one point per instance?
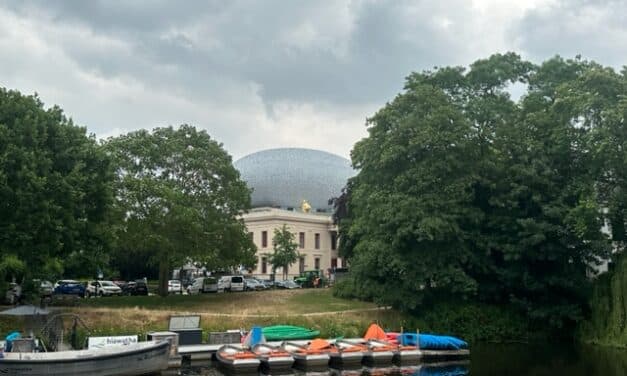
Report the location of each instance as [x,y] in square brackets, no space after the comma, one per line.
[285,177]
[266,214]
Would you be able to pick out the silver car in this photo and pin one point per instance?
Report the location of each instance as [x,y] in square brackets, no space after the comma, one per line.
[253,284]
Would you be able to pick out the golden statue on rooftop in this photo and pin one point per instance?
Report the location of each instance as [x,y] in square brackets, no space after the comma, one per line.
[305,207]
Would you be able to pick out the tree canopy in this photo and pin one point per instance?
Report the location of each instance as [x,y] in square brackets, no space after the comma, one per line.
[180,197]
[466,193]
[285,250]
[55,190]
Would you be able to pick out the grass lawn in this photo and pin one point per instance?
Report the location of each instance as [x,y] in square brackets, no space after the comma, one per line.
[141,314]
[274,302]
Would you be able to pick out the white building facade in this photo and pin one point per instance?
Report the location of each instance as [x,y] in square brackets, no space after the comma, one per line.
[282,180]
[315,235]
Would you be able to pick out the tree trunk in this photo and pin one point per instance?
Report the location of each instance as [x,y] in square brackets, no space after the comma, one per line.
[164,274]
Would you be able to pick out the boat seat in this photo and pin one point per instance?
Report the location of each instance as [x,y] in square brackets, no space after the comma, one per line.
[23,345]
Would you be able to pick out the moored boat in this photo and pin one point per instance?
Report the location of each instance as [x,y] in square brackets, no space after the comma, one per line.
[237,359]
[273,359]
[347,354]
[381,353]
[307,358]
[136,359]
[407,355]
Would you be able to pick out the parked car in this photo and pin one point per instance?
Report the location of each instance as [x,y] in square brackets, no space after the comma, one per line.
[137,287]
[237,283]
[268,283]
[202,285]
[253,284]
[121,284]
[13,294]
[175,287]
[69,287]
[45,288]
[102,288]
[231,283]
[287,284]
[224,283]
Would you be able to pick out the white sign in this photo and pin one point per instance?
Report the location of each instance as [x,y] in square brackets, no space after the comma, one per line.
[102,342]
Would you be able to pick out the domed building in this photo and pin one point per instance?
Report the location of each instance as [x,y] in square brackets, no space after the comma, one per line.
[292,186]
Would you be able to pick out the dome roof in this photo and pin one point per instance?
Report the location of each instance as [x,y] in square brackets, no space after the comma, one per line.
[287,176]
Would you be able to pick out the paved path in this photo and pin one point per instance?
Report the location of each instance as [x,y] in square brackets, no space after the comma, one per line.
[251,315]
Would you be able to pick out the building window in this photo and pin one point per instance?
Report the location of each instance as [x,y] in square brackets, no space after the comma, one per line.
[334,263]
[264,239]
[301,265]
[317,263]
[333,240]
[301,240]
[264,265]
[317,241]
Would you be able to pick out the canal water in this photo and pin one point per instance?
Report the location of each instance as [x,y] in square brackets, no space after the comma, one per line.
[493,360]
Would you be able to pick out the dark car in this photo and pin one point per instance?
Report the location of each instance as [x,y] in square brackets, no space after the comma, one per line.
[136,288]
[69,287]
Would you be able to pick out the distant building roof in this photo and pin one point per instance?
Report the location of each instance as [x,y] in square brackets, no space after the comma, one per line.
[287,176]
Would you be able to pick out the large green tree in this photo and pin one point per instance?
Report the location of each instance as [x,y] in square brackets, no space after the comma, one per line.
[55,189]
[285,251]
[465,193]
[180,197]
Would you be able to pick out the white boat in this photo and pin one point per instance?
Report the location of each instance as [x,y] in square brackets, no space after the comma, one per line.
[237,359]
[274,360]
[347,354]
[381,353]
[136,359]
[307,359]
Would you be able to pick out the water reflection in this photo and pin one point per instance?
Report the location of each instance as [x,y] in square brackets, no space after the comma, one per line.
[488,360]
[439,369]
[547,360]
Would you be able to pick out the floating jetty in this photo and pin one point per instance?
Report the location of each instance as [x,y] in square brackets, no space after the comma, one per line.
[187,353]
[248,354]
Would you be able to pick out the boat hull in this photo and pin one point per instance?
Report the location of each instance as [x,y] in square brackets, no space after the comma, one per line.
[275,365]
[407,357]
[132,360]
[346,360]
[248,365]
[317,362]
[378,358]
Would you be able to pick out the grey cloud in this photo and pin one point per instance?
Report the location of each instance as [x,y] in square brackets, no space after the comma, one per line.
[594,29]
[383,44]
[272,73]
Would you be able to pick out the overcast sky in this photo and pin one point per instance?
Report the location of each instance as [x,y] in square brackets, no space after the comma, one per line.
[262,74]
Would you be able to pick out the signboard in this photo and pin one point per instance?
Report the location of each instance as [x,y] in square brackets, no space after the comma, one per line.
[102,342]
[184,322]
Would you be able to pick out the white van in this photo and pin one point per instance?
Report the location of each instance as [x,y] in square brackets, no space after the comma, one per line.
[202,285]
[231,283]
[237,283]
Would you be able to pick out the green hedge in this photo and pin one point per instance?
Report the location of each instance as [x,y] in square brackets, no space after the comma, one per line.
[472,321]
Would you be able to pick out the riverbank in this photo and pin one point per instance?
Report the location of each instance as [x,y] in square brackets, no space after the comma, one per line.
[316,309]
[607,325]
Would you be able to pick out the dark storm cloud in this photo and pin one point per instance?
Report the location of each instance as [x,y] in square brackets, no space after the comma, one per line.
[272,73]
[362,57]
